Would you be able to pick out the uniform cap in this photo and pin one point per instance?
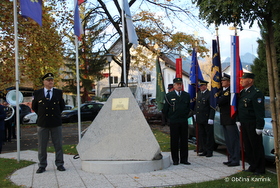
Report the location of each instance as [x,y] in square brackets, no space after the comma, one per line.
[48,76]
[170,86]
[202,82]
[226,77]
[177,80]
[248,75]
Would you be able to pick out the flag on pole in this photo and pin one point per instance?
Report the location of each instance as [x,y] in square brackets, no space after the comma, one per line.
[32,9]
[132,37]
[78,30]
[216,74]
[236,73]
[160,89]
[195,75]
[179,70]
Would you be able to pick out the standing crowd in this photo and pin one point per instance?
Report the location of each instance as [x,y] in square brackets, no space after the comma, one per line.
[249,122]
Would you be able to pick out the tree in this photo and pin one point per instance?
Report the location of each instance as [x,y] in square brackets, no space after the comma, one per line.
[150,30]
[40,48]
[266,13]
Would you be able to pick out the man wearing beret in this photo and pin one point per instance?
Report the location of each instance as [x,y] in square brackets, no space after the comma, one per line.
[176,108]
[251,112]
[230,130]
[204,116]
[48,105]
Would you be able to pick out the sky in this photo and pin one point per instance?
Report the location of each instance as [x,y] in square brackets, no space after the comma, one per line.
[191,25]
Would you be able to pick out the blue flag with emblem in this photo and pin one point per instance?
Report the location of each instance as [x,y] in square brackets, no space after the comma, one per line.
[216,74]
[32,9]
[195,75]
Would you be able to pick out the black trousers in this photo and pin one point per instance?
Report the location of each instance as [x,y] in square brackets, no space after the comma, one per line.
[206,138]
[179,140]
[232,142]
[254,151]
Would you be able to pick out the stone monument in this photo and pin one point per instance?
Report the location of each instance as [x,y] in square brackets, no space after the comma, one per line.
[119,140]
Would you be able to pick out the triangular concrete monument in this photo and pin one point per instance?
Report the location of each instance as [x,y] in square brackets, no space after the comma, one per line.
[120,132]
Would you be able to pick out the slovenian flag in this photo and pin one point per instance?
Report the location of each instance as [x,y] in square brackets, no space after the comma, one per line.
[236,73]
[32,9]
[195,75]
[78,30]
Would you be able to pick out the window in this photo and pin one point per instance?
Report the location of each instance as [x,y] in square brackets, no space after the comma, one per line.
[146,77]
[114,80]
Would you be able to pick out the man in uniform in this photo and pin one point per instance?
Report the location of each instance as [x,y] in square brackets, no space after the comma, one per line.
[204,116]
[230,130]
[48,105]
[250,118]
[176,109]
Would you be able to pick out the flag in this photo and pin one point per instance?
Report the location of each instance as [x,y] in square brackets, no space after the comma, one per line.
[78,30]
[195,75]
[179,70]
[32,9]
[236,73]
[160,89]
[80,2]
[132,37]
[216,74]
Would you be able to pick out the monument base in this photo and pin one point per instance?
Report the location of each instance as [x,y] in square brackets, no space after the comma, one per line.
[125,167]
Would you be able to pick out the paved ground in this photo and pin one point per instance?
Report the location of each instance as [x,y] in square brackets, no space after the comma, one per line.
[202,168]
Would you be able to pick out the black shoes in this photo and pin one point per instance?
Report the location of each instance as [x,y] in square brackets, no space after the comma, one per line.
[209,155]
[175,163]
[61,168]
[186,163]
[226,163]
[233,164]
[202,154]
[40,170]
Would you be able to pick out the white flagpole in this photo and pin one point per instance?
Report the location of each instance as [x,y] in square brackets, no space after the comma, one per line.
[78,87]
[17,79]
[123,41]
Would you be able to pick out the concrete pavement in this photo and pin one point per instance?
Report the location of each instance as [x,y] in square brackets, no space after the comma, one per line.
[201,169]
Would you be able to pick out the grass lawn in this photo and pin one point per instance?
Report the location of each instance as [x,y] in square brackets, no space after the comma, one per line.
[239,180]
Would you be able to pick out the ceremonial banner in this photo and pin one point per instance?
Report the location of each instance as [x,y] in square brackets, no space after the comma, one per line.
[32,9]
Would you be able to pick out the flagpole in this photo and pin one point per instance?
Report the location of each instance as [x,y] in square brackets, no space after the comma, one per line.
[123,43]
[78,87]
[17,79]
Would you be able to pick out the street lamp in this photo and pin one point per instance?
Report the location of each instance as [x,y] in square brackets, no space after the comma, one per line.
[109,58]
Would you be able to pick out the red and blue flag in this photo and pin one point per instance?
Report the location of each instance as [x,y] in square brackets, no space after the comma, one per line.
[236,73]
[32,9]
[78,30]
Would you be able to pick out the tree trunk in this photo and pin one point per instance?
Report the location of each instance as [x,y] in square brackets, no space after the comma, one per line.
[273,82]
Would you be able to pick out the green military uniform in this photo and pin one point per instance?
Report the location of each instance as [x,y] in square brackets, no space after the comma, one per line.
[251,114]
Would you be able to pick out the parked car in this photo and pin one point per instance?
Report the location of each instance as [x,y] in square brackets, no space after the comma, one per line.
[31,118]
[268,139]
[88,112]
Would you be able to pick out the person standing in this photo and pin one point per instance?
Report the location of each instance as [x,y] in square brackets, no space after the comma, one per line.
[2,125]
[48,104]
[176,108]
[204,116]
[229,127]
[250,118]
[8,124]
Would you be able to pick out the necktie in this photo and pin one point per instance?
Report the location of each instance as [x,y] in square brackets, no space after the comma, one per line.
[179,93]
[48,95]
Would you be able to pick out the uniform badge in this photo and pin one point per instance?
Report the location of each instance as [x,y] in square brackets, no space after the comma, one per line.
[173,99]
[259,100]
[226,93]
